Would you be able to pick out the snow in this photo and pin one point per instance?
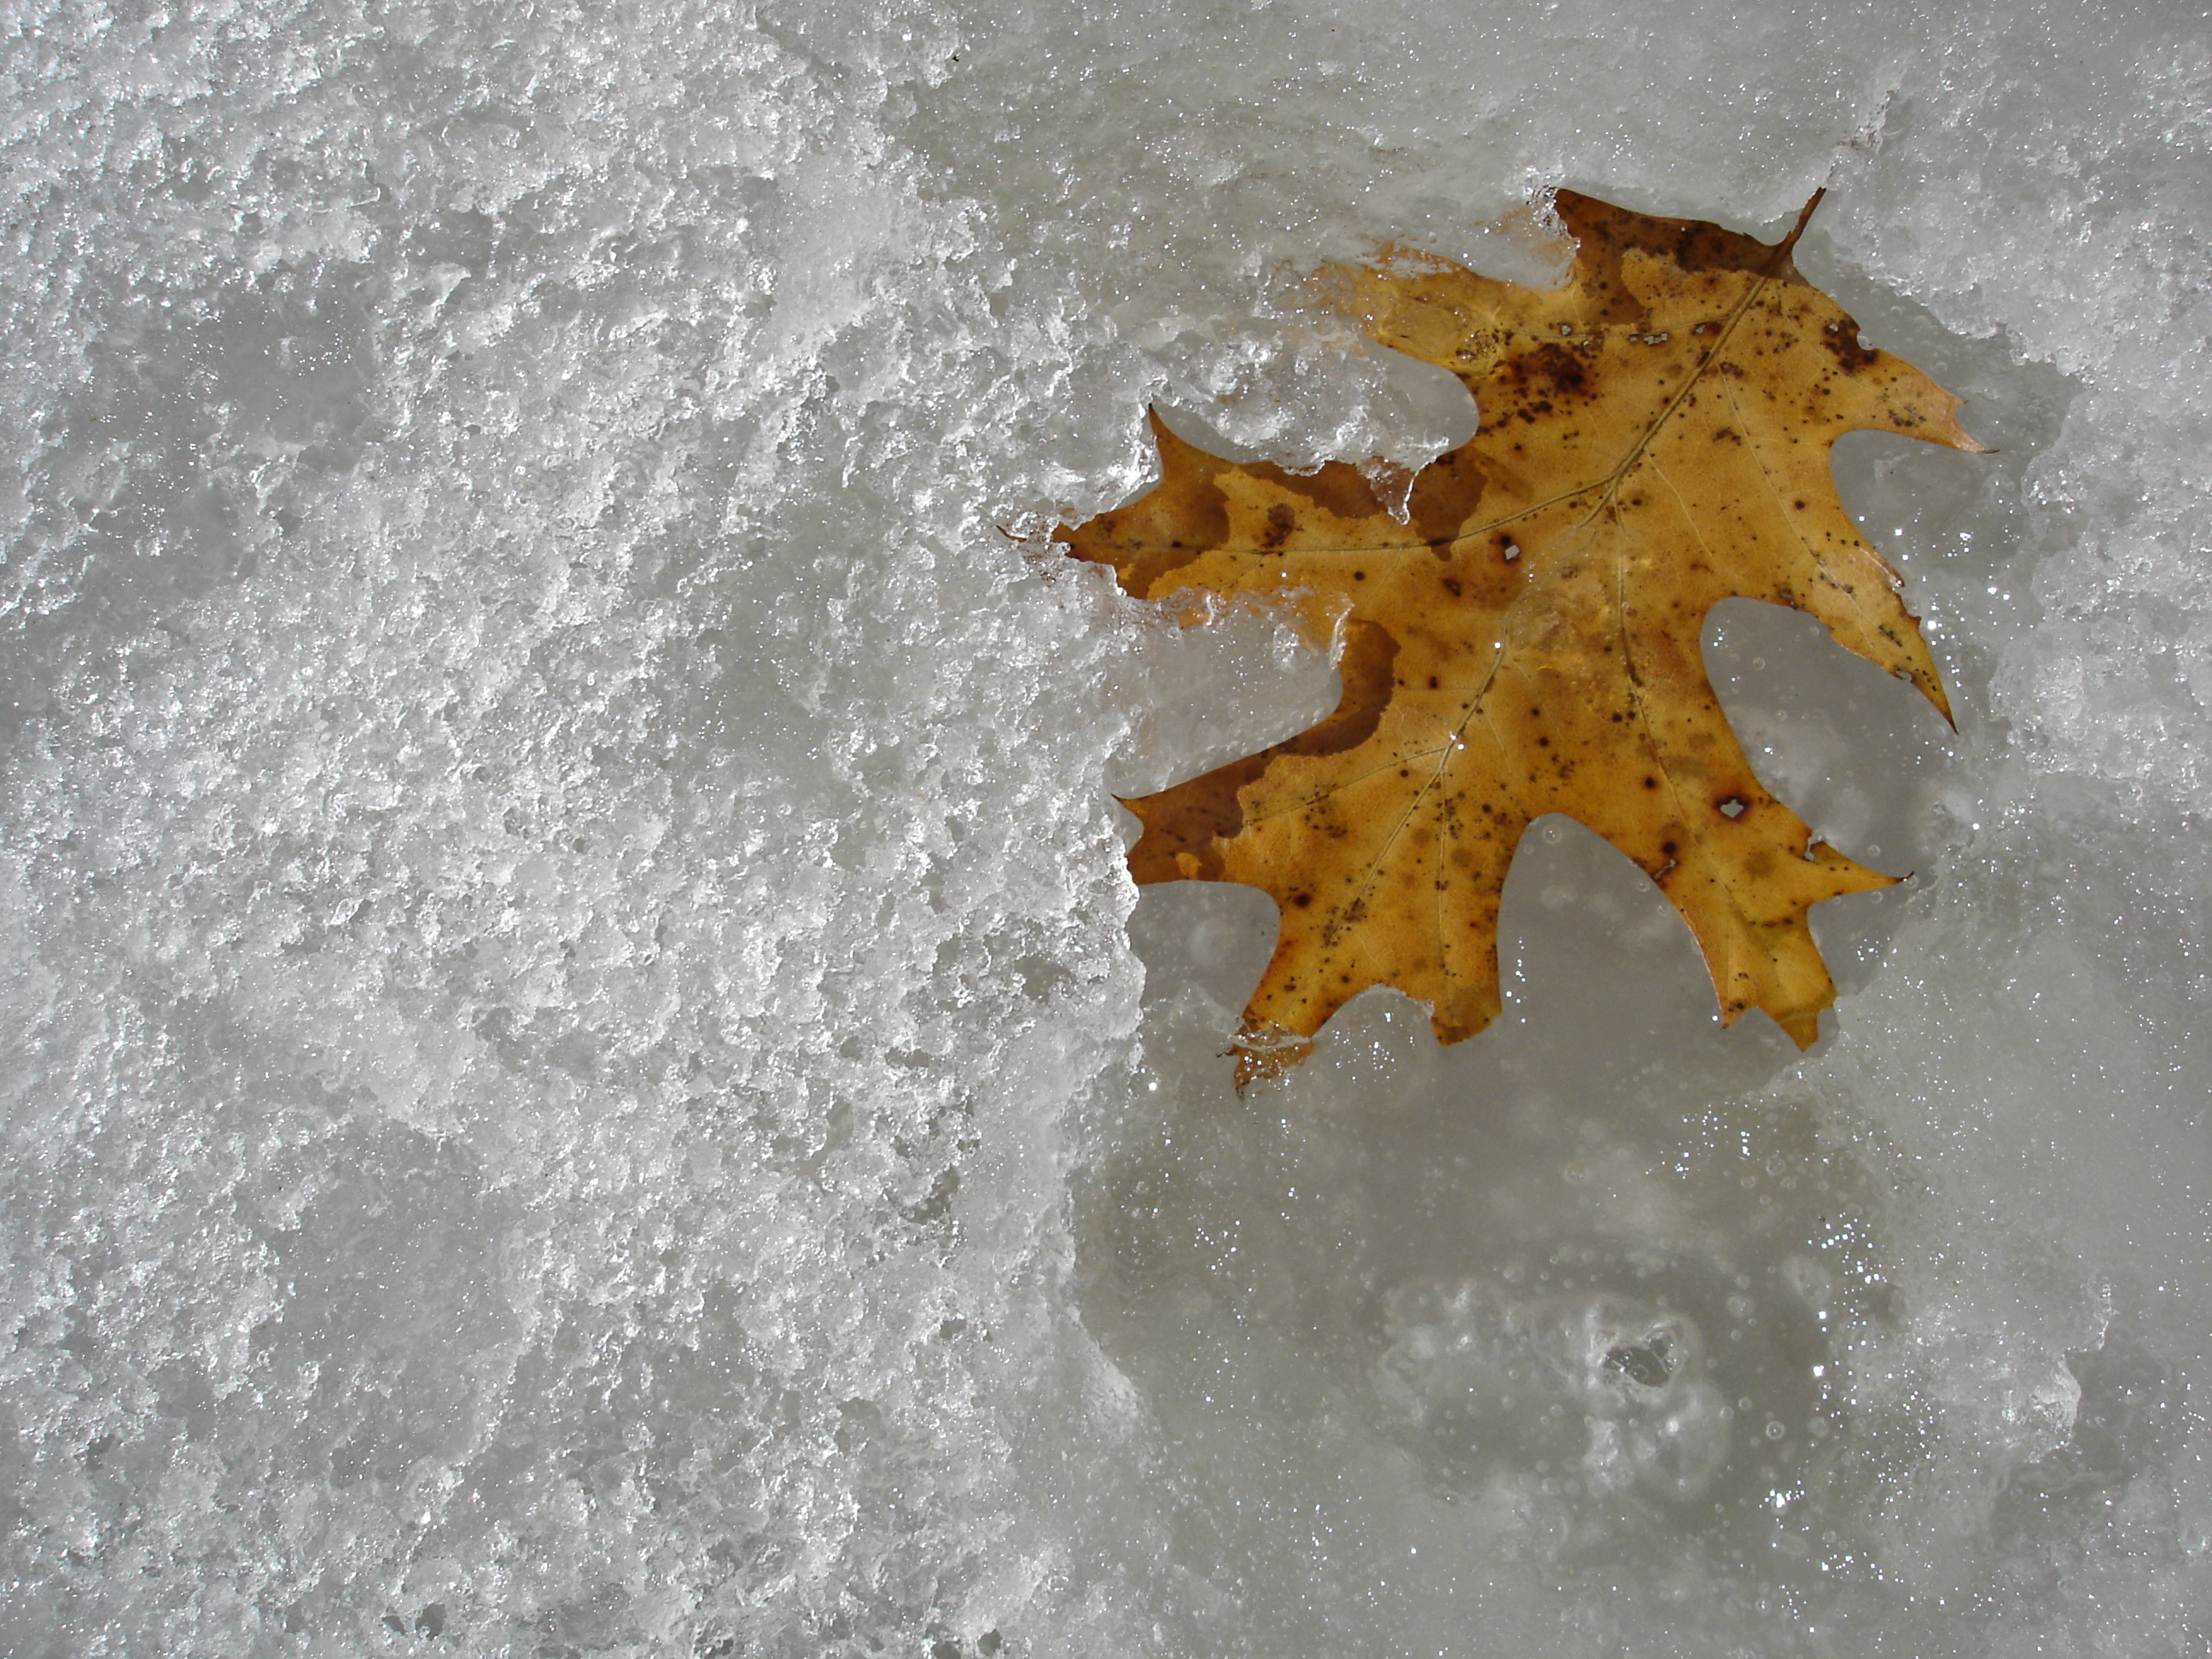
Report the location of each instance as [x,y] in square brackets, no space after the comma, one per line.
[582,1074]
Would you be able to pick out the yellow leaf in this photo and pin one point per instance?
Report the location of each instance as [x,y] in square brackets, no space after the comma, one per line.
[1655,438]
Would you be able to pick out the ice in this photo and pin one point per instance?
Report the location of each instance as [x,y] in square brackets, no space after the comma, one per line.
[581,1072]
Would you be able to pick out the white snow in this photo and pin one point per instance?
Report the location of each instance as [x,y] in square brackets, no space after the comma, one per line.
[582,1072]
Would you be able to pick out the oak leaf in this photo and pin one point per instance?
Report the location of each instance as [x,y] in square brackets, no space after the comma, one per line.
[1523,635]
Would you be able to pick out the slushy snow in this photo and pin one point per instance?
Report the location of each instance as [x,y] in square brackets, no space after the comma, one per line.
[582,1073]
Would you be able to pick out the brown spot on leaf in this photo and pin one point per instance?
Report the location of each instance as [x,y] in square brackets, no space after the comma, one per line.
[1841,337]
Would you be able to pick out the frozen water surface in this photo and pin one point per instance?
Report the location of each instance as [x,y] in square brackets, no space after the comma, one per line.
[581,1072]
